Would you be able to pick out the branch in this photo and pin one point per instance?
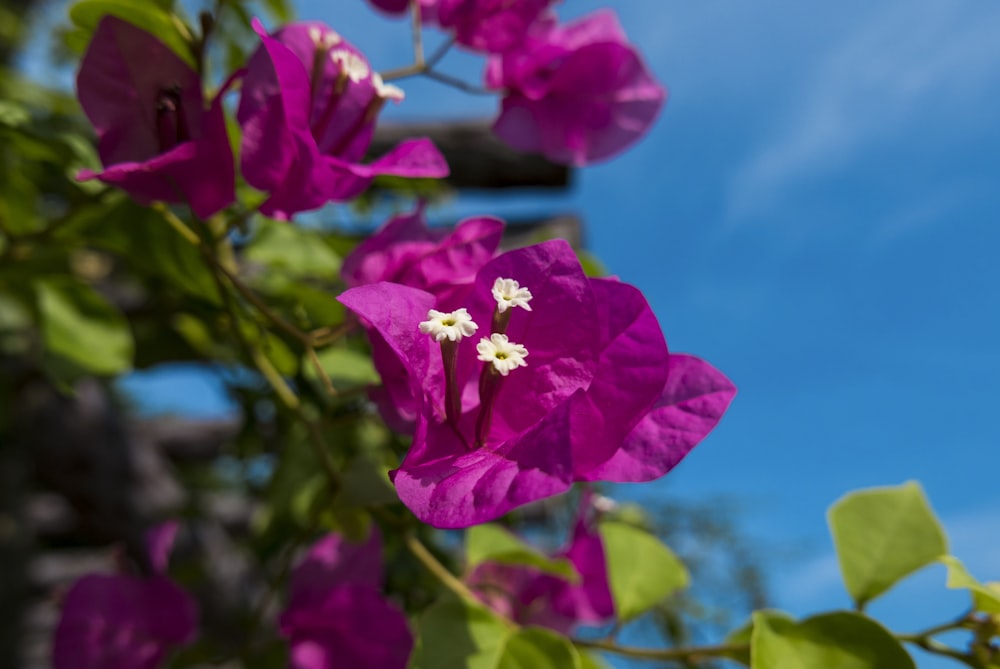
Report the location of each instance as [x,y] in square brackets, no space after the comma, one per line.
[665,654]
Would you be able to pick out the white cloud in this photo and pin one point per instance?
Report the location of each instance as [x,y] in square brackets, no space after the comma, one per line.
[908,58]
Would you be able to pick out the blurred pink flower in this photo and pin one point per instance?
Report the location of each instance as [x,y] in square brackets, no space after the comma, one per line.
[577,93]
[155,137]
[308,111]
[119,621]
[529,596]
[493,26]
[336,615]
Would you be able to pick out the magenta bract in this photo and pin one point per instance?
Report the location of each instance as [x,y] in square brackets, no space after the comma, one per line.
[596,394]
[441,262]
[336,616]
[428,8]
[155,137]
[119,621]
[578,93]
[529,596]
[308,111]
[493,26]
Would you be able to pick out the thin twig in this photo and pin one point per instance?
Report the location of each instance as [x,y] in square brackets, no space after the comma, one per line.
[418,34]
[665,654]
[458,83]
[433,565]
[440,52]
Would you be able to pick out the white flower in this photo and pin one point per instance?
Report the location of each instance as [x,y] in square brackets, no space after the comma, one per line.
[387,91]
[509,293]
[351,64]
[451,326]
[503,353]
[324,40]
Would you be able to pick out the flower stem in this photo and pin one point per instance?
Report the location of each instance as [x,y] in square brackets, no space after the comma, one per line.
[489,387]
[434,566]
[452,396]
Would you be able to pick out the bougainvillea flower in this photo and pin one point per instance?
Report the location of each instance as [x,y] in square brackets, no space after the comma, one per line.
[578,93]
[120,621]
[442,262]
[529,596]
[336,616]
[428,8]
[493,26]
[155,137]
[308,110]
[589,389]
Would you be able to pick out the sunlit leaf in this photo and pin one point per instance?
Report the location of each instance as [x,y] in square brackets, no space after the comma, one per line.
[844,640]
[82,332]
[882,535]
[493,543]
[641,570]
[149,16]
[297,251]
[985,596]
[453,634]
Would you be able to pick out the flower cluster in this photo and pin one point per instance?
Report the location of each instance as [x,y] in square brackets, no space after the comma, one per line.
[308,108]
[577,93]
[568,379]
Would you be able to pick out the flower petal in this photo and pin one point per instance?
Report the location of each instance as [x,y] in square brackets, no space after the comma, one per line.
[466,488]
[631,373]
[693,401]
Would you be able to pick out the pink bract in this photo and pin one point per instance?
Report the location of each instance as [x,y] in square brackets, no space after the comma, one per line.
[336,616]
[428,8]
[493,26]
[120,621]
[598,399]
[441,262]
[308,111]
[529,596]
[154,136]
[577,93]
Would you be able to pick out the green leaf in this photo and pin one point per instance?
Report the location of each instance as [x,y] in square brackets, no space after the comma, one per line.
[299,252]
[493,543]
[591,661]
[346,368]
[81,331]
[280,10]
[537,648]
[985,596]
[741,637]
[148,16]
[143,238]
[642,571]
[882,535]
[366,483]
[454,634]
[841,640]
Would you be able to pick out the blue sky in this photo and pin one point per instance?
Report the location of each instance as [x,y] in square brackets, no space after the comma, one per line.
[816,213]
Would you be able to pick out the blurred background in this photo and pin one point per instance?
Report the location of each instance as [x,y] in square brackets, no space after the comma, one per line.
[817,213]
